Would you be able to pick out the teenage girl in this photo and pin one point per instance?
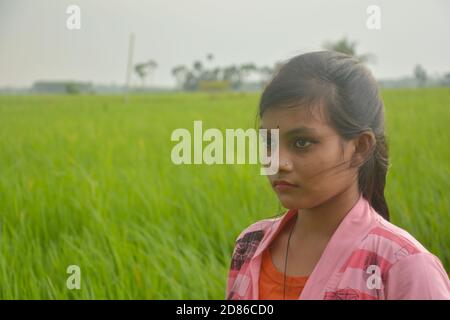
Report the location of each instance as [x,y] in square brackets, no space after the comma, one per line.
[335,241]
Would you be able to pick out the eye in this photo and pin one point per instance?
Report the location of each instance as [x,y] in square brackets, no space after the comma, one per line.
[302,143]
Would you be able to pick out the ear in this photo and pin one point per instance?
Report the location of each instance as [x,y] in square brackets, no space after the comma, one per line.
[364,145]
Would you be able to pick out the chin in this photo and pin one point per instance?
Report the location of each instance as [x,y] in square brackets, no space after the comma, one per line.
[295,202]
[290,202]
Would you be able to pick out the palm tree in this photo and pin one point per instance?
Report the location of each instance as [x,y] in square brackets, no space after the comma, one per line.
[198,67]
[209,73]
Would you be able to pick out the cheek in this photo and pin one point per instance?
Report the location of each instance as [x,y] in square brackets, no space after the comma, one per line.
[321,176]
[324,169]
[306,168]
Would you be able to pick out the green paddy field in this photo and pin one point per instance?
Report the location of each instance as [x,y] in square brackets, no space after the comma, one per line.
[88,181]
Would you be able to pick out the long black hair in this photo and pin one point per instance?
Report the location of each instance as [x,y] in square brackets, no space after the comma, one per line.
[352,101]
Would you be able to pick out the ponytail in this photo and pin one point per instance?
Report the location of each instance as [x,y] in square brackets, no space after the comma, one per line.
[372,178]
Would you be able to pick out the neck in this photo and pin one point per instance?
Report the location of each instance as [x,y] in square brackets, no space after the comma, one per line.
[323,220]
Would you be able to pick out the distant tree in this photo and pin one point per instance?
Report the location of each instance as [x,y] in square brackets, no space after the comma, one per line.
[216,73]
[198,67]
[346,46]
[210,57]
[152,65]
[208,73]
[140,70]
[204,77]
[246,70]
[446,79]
[191,82]
[265,73]
[420,74]
[72,88]
[144,69]
[180,74]
[233,75]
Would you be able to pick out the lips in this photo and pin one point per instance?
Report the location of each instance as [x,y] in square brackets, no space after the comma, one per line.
[283,185]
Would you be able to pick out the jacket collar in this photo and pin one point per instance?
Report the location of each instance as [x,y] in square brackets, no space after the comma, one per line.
[351,229]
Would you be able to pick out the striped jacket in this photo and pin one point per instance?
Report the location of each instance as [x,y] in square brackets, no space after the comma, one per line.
[366,258]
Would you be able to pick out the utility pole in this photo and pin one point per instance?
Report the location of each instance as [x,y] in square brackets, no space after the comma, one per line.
[129,66]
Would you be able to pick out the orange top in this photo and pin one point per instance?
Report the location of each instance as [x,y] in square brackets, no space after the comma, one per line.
[271,281]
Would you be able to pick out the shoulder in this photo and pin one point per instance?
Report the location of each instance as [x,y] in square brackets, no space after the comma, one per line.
[391,242]
[418,276]
[258,228]
[248,241]
[408,268]
[249,238]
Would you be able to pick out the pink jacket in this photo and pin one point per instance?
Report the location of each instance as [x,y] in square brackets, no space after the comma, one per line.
[366,258]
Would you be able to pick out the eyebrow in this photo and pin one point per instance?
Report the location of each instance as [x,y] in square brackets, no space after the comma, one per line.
[298,130]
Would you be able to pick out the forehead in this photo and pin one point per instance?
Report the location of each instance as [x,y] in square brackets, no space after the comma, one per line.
[286,118]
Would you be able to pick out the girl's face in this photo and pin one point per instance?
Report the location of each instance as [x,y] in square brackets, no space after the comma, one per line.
[313,157]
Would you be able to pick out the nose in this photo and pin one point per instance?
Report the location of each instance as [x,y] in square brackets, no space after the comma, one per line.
[285,163]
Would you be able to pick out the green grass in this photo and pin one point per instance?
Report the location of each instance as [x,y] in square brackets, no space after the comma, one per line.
[88,181]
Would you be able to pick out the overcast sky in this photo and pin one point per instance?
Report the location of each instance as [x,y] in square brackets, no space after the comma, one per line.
[35,43]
